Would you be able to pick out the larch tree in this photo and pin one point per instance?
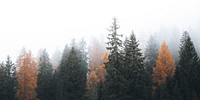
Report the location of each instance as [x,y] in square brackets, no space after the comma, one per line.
[44,80]
[114,83]
[94,79]
[164,66]
[92,87]
[27,76]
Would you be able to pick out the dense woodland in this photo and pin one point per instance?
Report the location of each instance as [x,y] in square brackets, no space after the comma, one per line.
[118,72]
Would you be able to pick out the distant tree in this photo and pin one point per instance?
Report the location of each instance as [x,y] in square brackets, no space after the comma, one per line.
[94,79]
[151,54]
[27,76]
[114,83]
[56,58]
[95,51]
[187,74]
[164,66]
[44,80]
[101,70]
[134,71]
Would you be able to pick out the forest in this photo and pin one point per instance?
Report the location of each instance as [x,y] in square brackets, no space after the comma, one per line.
[119,71]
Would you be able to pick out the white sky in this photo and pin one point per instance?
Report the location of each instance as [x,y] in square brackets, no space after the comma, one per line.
[49,24]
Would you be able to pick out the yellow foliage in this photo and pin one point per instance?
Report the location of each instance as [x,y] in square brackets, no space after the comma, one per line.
[164,66]
[27,77]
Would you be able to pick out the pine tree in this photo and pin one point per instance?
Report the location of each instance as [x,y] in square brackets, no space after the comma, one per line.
[44,80]
[73,77]
[8,80]
[11,78]
[134,70]
[3,82]
[57,77]
[114,86]
[151,54]
[187,74]
[27,76]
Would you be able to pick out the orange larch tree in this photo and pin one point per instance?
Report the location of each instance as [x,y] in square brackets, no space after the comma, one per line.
[27,77]
[164,66]
[95,77]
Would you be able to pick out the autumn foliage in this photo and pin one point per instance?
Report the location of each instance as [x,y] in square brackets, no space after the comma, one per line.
[164,66]
[27,77]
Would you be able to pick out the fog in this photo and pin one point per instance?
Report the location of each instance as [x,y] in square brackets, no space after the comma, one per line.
[51,24]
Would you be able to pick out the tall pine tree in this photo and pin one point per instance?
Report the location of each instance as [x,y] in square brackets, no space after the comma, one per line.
[73,77]
[8,80]
[44,80]
[114,83]
[151,53]
[187,74]
[134,71]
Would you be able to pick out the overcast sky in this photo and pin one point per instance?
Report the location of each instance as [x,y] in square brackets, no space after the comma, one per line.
[50,24]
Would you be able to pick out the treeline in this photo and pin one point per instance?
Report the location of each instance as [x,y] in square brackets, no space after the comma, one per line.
[121,72]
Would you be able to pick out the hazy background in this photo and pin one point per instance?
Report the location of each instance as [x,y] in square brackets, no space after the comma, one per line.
[51,24]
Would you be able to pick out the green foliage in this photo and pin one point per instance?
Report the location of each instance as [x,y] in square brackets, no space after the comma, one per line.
[73,80]
[8,80]
[137,86]
[114,82]
[151,54]
[187,74]
[44,80]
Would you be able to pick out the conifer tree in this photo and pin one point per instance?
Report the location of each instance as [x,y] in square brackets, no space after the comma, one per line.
[134,71]
[57,78]
[151,54]
[73,77]
[164,66]
[114,83]
[187,74]
[8,80]
[44,80]
[27,76]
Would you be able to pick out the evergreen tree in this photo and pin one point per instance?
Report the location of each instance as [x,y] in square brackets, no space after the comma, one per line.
[114,83]
[73,77]
[57,78]
[135,74]
[8,83]
[151,54]
[44,80]
[187,74]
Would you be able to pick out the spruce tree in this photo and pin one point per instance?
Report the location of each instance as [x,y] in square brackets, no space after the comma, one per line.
[57,77]
[187,74]
[134,71]
[44,80]
[151,53]
[114,83]
[73,78]
[8,83]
